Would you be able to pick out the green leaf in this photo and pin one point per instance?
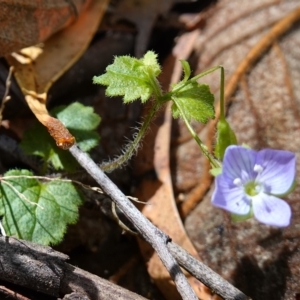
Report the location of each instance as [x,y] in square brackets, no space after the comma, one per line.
[81,122]
[150,61]
[36,211]
[195,100]
[186,69]
[37,141]
[225,138]
[130,77]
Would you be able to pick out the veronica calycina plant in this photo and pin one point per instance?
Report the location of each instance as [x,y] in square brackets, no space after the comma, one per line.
[249,182]
[136,79]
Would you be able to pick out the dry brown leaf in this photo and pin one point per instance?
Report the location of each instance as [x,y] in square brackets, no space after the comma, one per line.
[37,68]
[26,22]
[143,14]
[258,43]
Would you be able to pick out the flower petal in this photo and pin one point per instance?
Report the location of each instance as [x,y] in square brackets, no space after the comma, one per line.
[230,197]
[239,163]
[279,169]
[271,210]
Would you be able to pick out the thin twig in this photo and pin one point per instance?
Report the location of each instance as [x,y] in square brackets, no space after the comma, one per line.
[118,221]
[10,294]
[151,234]
[6,97]
[158,239]
[206,275]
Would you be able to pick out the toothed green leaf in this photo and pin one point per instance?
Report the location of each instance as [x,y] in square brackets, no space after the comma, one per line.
[195,101]
[37,211]
[130,77]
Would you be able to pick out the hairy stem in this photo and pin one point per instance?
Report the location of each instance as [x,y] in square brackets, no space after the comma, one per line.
[132,147]
[202,146]
[156,87]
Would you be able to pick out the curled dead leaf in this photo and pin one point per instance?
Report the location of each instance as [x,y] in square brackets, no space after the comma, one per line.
[38,67]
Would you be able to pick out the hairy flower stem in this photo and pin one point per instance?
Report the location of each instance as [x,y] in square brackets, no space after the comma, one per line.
[214,162]
[202,146]
[132,147]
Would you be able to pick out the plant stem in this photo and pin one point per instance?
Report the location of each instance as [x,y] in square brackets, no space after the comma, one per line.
[152,234]
[206,73]
[131,148]
[194,79]
[213,161]
[202,146]
[222,86]
[222,100]
[156,87]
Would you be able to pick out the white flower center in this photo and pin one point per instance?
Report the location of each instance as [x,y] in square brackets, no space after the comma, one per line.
[251,187]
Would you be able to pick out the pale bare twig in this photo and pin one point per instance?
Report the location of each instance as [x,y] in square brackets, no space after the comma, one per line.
[161,243]
[150,233]
[119,222]
[6,96]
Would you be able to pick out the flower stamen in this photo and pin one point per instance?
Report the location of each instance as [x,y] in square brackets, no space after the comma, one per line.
[257,168]
[237,182]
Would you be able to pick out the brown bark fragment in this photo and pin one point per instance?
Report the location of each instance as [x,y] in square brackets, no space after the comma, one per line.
[62,136]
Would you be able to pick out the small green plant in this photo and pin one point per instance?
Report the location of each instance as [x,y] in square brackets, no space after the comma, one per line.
[137,79]
[247,183]
[38,209]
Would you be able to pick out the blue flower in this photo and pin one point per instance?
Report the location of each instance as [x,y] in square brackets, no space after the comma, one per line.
[250,181]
